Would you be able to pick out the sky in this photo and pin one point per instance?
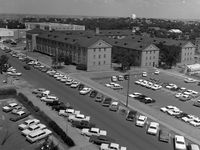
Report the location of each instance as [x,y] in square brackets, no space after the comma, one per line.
[180,9]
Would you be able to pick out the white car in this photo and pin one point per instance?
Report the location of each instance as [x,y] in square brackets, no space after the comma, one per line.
[57,74]
[68,112]
[27,123]
[189,80]
[167,108]
[188,118]
[75,84]
[85,91]
[12,105]
[120,78]
[136,94]
[179,95]
[78,117]
[69,82]
[49,98]
[195,122]
[141,121]
[93,131]
[33,128]
[111,146]
[174,112]
[38,135]
[156,87]
[144,74]
[114,79]
[179,142]
[157,72]
[116,87]
[110,85]
[33,63]
[14,73]
[153,128]
[7,108]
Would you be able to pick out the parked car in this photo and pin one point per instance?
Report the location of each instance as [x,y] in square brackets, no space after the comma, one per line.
[164,136]
[81,86]
[189,80]
[157,72]
[39,90]
[27,123]
[144,74]
[68,112]
[82,124]
[17,118]
[27,67]
[179,142]
[78,117]
[33,128]
[53,103]
[39,135]
[93,93]
[141,121]
[112,146]
[197,103]
[131,115]
[107,102]
[114,106]
[75,84]
[101,139]
[114,78]
[153,128]
[147,100]
[7,109]
[133,95]
[99,98]
[193,147]
[93,131]
[85,91]
[120,78]
[60,107]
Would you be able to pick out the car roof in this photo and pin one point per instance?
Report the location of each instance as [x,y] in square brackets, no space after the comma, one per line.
[154,124]
[180,138]
[115,103]
[194,147]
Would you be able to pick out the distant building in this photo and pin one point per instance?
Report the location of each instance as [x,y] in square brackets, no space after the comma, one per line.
[53,26]
[197,44]
[12,33]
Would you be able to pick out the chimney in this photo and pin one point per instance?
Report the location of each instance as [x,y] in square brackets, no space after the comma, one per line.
[97,30]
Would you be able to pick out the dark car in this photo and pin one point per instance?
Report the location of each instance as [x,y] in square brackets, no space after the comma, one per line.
[197,104]
[93,93]
[45,69]
[17,118]
[101,139]
[82,124]
[107,101]
[164,136]
[147,100]
[131,115]
[52,103]
[181,115]
[61,106]
[141,97]
[99,98]
[27,67]
[80,87]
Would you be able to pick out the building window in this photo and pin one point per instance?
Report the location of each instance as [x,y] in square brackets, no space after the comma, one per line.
[150,64]
[104,62]
[146,58]
[94,63]
[99,56]
[146,64]
[99,50]
[99,63]
[146,52]
[153,57]
[104,55]
[94,50]
[94,56]
[104,49]
[150,58]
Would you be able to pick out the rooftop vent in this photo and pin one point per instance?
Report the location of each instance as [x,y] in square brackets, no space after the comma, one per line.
[133,37]
[138,41]
[154,41]
[55,36]
[125,43]
[74,40]
[49,35]
[141,46]
[66,38]
[116,42]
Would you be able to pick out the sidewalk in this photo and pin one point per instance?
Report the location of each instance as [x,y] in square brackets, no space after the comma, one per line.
[191,133]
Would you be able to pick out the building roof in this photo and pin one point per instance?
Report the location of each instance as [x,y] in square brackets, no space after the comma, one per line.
[35,31]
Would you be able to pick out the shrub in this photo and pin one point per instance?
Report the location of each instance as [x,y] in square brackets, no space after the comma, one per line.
[8,91]
[22,98]
[36,109]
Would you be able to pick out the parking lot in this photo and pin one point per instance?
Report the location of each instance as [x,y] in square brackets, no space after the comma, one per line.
[163,97]
[11,137]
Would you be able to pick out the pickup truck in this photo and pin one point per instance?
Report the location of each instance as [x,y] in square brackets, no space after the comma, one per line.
[68,112]
[78,117]
[93,131]
[82,124]
[112,146]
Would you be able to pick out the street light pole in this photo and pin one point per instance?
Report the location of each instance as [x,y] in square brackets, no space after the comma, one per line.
[128,84]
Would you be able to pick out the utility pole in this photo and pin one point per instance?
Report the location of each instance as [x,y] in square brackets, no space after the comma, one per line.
[128,84]
[56,58]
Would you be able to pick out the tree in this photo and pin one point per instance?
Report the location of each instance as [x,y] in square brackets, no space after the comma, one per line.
[169,55]
[3,62]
